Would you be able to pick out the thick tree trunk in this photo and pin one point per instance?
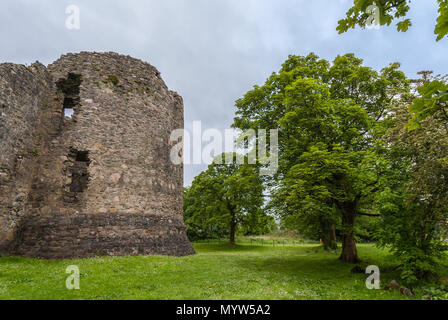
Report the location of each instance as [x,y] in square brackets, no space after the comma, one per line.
[233,222]
[328,236]
[333,234]
[349,252]
[329,244]
[232,231]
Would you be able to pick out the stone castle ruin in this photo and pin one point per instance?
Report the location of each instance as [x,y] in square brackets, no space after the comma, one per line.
[85,164]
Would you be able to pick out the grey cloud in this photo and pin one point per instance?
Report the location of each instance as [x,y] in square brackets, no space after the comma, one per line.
[213,51]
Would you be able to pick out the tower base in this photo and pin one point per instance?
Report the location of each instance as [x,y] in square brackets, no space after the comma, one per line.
[89,235]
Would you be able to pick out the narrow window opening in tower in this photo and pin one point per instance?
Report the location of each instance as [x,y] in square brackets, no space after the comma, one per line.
[79,172]
[70,87]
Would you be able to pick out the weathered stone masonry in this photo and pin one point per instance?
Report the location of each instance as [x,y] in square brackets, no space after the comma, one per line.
[100,182]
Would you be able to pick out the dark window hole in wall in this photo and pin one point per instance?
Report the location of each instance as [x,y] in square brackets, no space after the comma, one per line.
[70,87]
[3,108]
[79,172]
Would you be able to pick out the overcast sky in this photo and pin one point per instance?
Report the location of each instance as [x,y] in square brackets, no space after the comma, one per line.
[213,51]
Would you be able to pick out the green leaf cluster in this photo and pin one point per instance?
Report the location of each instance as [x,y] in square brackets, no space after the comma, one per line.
[361,13]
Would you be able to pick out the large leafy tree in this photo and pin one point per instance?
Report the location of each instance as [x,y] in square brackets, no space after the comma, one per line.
[363,11]
[329,117]
[414,206]
[223,198]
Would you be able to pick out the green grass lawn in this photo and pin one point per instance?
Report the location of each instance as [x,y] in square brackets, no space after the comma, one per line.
[218,271]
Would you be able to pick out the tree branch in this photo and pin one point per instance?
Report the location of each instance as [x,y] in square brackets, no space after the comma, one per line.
[368,214]
[394,5]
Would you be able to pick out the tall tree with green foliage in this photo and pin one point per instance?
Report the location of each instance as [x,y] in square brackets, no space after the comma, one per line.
[414,206]
[226,196]
[329,117]
[363,14]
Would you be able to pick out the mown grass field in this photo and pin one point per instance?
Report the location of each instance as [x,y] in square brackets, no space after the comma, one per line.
[218,271]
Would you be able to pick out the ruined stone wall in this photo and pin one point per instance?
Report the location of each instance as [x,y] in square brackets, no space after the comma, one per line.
[24,93]
[104,183]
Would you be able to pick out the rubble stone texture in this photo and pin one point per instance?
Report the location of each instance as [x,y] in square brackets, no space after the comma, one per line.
[100,182]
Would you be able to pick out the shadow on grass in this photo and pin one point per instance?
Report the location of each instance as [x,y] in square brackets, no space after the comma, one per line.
[290,261]
[222,248]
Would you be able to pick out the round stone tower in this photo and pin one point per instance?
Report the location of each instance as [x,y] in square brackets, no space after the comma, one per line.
[102,182]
